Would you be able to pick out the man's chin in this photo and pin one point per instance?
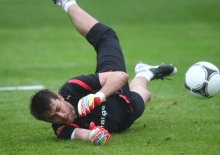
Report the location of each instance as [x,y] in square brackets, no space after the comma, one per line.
[70,120]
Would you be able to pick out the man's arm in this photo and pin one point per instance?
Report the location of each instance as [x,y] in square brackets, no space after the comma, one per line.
[111,82]
[71,131]
[97,134]
[82,134]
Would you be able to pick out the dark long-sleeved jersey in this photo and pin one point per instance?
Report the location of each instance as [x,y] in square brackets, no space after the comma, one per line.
[114,114]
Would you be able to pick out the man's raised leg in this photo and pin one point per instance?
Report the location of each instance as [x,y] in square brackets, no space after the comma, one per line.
[82,21]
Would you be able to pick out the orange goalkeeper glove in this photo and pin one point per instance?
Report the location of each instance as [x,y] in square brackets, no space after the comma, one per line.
[98,135]
[88,103]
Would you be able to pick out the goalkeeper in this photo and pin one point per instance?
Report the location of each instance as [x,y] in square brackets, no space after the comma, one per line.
[89,107]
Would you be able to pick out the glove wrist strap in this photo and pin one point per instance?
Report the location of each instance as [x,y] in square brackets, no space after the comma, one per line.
[100,95]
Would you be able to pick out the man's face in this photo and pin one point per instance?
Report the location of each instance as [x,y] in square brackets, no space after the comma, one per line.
[62,112]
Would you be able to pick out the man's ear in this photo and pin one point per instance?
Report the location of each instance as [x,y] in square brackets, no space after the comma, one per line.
[60,97]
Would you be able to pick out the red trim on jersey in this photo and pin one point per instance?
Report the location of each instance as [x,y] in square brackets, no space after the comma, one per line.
[131,108]
[125,98]
[81,83]
[62,127]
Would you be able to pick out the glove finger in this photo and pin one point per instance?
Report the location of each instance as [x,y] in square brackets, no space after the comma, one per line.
[83,108]
[105,140]
[80,107]
[93,135]
[96,136]
[90,101]
[100,139]
[91,126]
[97,101]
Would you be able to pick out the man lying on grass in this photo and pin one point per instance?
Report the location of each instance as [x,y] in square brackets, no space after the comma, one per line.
[92,106]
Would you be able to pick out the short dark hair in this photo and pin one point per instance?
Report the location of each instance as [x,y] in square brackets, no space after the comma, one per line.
[40,103]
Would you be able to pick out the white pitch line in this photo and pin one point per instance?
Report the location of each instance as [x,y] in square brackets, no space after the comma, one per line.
[22,88]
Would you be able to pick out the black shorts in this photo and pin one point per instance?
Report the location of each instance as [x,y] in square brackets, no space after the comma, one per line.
[109,52]
[110,58]
[136,101]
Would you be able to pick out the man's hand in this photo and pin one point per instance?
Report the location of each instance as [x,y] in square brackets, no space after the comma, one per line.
[98,135]
[88,103]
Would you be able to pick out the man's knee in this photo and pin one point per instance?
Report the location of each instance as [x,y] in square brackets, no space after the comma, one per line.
[143,92]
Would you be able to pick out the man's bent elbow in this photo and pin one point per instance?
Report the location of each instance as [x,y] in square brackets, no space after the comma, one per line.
[124,77]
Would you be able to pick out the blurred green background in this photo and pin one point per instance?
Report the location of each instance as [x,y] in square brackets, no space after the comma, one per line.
[39,46]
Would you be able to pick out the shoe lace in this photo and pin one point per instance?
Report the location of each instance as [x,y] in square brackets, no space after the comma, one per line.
[162,78]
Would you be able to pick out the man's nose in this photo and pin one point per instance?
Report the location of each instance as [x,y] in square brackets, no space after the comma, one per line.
[60,114]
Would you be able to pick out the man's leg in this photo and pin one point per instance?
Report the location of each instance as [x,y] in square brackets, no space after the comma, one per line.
[82,21]
[145,73]
[139,85]
[101,37]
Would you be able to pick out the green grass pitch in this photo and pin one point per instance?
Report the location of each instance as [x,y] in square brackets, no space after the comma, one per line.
[39,46]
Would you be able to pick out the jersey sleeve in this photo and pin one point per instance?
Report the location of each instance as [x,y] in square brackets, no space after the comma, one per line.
[89,82]
[80,86]
[64,131]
